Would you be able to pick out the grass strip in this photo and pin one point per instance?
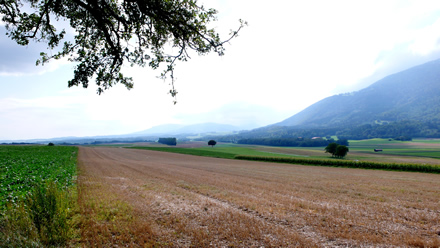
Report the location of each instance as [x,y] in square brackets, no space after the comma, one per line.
[190,151]
[37,196]
[344,163]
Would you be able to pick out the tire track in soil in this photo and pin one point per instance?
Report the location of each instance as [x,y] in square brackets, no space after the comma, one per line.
[135,166]
[131,166]
[305,231]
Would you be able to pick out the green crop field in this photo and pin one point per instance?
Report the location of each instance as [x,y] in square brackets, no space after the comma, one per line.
[396,155]
[21,167]
[221,151]
[428,148]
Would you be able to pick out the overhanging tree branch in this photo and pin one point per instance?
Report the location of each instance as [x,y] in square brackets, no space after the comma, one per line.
[110,33]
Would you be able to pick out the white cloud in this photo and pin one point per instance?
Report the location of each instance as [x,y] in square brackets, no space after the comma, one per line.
[292,54]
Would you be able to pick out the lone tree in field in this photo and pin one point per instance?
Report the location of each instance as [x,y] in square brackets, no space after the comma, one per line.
[109,33]
[331,148]
[212,143]
[341,151]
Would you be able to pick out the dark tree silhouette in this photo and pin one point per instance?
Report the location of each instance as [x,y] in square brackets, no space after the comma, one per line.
[212,143]
[331,148]
[110,33]
[341,151]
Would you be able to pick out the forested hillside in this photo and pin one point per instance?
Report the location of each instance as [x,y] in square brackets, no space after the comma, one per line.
[410,95]
[400,106]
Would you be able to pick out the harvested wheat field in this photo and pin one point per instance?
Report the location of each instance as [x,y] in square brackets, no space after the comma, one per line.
[132,197]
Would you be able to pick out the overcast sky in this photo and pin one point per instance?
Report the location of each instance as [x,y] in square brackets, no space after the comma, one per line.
[292,54]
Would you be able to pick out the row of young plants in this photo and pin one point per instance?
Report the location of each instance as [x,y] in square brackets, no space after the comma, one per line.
[347,163]
[22,167]
[37,195]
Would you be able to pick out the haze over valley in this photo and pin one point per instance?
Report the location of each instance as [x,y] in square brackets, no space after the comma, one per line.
[252,124]
[404,104]
[265,76]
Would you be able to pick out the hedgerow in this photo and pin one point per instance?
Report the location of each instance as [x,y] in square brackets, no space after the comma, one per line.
[347,163]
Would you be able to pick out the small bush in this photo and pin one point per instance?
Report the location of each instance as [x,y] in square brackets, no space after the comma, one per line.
[17,229]
[40,220]
[48,207]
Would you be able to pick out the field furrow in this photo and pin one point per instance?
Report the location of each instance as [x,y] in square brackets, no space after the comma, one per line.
[140,197]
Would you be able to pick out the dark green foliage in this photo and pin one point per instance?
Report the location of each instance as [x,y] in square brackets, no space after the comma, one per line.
[341,151]
[22,167]
[17,228]
[280,136]
[343,142]
[212,143]
[47,210]
[403,138]
[299,142]
[111,33]
[41,220]
[336,150]
[34,201]
[51,144]
[345,163]
[401,130]
[168,141]
[331,148]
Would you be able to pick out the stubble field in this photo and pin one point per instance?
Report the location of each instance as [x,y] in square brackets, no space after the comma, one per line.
[150,198]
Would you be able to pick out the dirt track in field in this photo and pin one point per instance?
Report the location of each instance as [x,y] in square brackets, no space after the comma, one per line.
[132,197]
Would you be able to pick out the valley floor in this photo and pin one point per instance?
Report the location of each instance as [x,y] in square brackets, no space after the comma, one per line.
[132,197]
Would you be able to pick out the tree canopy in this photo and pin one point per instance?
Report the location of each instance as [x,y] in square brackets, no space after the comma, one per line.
[331,148]
[341,151]
[212,143]
[168,141]
[110,33]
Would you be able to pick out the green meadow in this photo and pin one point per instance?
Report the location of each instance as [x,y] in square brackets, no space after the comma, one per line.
[424,148]
[395,155]
[23,167]
[37,195]
[219,151]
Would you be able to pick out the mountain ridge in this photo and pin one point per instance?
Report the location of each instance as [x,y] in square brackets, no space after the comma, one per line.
[407,95]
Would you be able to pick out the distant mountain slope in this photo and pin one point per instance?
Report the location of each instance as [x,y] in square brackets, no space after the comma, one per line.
[172,129]
[413,94]
[175,130]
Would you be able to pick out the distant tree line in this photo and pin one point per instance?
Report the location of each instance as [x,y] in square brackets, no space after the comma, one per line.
[97,142]
[168,141]
[402,130]
[274,132]
[288,136]
[295,142]
[18,143]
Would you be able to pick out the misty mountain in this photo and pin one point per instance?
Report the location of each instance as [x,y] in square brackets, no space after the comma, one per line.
[399,106]
[176,129]
[413,94]
[151,134]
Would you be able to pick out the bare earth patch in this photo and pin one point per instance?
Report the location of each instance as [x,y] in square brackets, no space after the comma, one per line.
[145,198]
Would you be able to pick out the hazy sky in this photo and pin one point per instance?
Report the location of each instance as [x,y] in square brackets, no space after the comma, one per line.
[292,54]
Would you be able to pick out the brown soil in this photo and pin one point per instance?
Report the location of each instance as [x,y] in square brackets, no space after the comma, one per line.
[132,197]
